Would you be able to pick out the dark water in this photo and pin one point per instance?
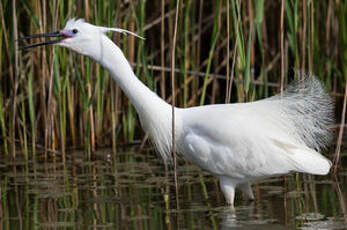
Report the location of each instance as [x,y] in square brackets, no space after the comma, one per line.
[128,192]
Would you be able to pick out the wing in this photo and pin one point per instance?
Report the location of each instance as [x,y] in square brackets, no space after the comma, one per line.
[242,142]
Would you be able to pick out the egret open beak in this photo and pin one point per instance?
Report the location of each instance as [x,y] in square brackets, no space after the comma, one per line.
[58,34]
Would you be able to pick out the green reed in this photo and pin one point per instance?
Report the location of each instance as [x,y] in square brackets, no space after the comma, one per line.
[3,126]
[214,39]
[66,100]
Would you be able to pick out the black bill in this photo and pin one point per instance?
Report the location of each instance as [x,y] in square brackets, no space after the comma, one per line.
[44,35]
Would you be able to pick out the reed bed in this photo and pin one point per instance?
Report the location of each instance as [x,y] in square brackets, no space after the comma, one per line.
[52,100]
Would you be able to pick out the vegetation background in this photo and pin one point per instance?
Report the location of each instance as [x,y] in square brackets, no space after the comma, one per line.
[52,100]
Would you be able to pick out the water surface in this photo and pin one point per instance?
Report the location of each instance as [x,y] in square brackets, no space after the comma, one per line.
[131,191]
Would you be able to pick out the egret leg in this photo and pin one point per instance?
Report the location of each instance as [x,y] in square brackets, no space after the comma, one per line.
[247,190]
[227,186]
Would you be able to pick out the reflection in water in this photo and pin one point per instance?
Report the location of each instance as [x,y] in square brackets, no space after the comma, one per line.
[246,218]
[128,192]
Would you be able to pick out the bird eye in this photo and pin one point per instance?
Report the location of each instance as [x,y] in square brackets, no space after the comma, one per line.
[75,31]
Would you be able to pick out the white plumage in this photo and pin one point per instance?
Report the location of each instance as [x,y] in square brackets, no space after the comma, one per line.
[238,143]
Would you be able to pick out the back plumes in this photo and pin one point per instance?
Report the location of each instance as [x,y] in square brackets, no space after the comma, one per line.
[307,112]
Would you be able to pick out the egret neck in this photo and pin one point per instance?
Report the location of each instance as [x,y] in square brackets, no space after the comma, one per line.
[154,112]
[113,59]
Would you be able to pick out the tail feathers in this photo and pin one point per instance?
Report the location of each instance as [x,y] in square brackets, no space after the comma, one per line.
[305,111]
[309,161]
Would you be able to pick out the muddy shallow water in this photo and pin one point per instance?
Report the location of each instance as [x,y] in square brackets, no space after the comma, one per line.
[131,191]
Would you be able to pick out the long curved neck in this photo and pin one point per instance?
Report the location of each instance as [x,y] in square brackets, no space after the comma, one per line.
[155,113]
[113,59]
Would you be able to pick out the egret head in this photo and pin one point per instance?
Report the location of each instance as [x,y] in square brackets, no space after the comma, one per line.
[79,36]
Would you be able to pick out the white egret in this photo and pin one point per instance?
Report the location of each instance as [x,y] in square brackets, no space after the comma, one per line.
[238,143]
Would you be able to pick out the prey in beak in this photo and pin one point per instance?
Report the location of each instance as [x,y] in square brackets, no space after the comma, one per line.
[60,35]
